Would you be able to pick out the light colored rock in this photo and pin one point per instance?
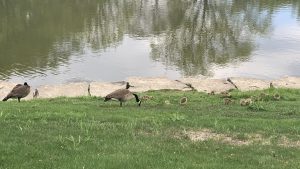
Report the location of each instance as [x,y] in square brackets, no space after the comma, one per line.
[287,82]
[246,84]
[101,89]
[208,85]
[6,87]
[142,84]
[67,90]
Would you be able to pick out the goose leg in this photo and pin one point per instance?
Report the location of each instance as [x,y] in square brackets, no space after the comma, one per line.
[19,99]
[120,104]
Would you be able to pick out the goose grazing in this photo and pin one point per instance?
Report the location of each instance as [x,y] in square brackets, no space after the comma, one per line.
[19,91]
[123,95]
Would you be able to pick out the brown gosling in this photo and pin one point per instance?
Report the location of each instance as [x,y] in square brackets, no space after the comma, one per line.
[35,93]
[254,98]
[225,94]
[271,85]
[263,96]
[246,102]
[123,95]
[227,101]
[146,97]
[211,93]
[276,96]
[19,91]
[183,101]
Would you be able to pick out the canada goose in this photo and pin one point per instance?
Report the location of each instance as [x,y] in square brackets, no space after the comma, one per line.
[123,95]
[19,91]
[183,101]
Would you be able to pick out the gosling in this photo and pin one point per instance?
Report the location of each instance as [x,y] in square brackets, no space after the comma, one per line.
[19,91]
[183,101]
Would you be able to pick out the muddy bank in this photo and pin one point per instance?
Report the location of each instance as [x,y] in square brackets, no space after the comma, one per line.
[141,84]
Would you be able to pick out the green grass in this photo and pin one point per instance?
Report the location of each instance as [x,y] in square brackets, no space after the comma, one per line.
[89,133]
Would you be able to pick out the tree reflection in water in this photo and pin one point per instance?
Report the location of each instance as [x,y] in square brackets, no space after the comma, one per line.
[192,35]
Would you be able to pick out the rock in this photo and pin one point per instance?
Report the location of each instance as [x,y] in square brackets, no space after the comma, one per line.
[287,82]
[67,90]
[101,89]
[209,85]
[245,84]
[155,83]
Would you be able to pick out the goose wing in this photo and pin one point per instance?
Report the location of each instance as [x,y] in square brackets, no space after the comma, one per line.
[19,91]
[118,94]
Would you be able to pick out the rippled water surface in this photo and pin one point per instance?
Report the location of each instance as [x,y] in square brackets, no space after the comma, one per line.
[62,41]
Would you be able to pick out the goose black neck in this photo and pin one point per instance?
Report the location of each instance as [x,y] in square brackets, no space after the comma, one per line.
[127,86]
[136,97]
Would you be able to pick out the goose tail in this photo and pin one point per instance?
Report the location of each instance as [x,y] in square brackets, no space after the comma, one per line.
[5,99]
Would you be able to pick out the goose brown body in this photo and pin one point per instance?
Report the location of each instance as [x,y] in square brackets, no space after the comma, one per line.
[122,95]
[19,91]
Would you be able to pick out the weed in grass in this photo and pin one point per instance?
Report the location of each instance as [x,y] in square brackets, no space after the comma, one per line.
[256,106]
[177,117]
[72,142]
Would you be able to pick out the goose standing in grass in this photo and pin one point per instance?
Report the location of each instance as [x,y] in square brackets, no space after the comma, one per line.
[123,95]
[19,91]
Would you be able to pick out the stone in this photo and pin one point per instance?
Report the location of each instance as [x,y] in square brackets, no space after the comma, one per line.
[208,85]
[142,84]
[63,90]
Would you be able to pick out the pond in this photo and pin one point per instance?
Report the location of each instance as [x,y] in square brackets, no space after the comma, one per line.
[59,41]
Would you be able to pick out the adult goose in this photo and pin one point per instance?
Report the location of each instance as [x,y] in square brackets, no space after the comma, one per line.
[19,91]
[123,95]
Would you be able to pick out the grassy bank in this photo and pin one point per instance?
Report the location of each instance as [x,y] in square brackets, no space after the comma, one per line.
[205,133]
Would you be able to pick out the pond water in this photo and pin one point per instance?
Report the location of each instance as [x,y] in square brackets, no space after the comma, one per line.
[58,41]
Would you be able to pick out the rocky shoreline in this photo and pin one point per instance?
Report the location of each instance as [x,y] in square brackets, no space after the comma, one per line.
[142,84]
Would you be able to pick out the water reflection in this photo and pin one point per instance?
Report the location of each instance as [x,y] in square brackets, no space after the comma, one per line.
[57,41]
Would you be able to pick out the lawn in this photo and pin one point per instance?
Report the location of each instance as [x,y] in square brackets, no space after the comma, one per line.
[87,133]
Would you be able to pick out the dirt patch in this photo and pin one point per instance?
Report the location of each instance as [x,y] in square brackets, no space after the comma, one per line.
[206,134]
[286,142]
[236,139]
